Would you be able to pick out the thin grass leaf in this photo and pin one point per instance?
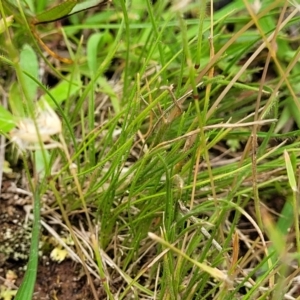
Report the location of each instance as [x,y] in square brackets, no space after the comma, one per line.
[214,272]
[290,171]
[27,287]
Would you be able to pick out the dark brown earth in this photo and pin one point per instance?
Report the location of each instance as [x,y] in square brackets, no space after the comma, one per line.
[65,280]
[54,280]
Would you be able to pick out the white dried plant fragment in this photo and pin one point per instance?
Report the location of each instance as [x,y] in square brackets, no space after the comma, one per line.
[29,134]
[256,6]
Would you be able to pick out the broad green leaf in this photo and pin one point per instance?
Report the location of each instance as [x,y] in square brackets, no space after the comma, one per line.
[61,92]
[92,51]
[108,90]
[86,5]
[6,120]
[64,9]
[29,64]
[52,14]
[55,13]
[41,161]
[16,100]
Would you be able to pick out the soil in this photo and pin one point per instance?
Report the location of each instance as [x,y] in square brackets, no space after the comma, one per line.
[54,280]
[65,280]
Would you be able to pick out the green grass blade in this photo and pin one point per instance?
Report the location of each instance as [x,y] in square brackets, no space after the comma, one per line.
[27,287]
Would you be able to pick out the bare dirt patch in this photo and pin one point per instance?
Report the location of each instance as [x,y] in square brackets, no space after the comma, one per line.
[65,280]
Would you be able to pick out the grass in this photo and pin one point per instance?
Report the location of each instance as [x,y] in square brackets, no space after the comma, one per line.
[176,171]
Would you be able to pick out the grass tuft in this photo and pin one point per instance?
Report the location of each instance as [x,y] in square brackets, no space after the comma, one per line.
[175,166]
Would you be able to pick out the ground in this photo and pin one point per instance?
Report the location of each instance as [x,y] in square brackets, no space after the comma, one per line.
[64,280]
